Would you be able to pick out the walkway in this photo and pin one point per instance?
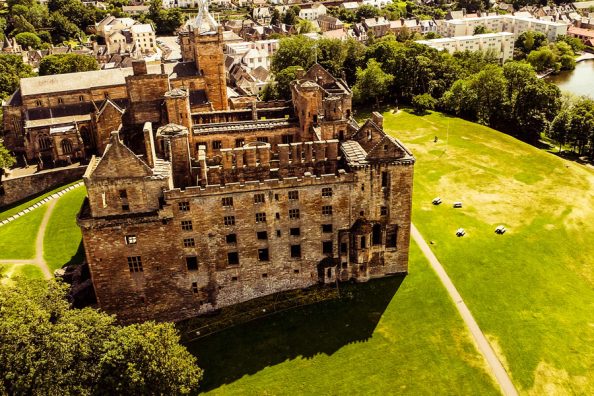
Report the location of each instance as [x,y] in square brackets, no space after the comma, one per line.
[38,204]
[38,261]
[507,387]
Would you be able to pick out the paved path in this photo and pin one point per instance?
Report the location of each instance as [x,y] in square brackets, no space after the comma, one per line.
[507,387]
[38,261]
[41,202]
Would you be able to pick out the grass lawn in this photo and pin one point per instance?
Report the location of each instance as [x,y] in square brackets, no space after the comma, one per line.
[27,270]
[62,242]
[17,238]
[15,208]
[531,289]
[392,335]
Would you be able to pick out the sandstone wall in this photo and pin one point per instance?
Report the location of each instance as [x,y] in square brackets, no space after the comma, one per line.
[18,188]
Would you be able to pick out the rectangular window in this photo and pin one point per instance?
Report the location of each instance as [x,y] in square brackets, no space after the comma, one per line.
[239,142]
[343,247]
[287,139]
[126,207]
[293,213]
[261,217]
[217,145]
[295,251]
[391,236]
[195,287]
[327,210]
[262,139]
[295,231]
[227,201]
[264,276]
[327,247]
[123,194]
[384,211]
[263,254]
[130,239]
[198,144]
[326,192]
[135,264]
[363,242]
[259,198]
[186,225]
[231,238]
[192,263]
[233,258]
[189,242]
[326,228]
[262,235]
[229,220]
[385,178]
[294,195]
[183,206]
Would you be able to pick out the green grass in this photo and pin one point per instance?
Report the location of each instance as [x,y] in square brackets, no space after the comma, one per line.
[17,238]
[15,208]
[532,289]
[62,242]
[26,270]
[392,335]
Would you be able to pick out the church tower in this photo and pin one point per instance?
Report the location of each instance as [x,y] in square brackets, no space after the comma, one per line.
[203,44]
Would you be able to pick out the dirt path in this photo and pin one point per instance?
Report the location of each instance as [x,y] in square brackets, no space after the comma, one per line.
[39,260]
[507,387]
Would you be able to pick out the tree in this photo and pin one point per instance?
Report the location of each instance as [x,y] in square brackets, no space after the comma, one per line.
[6,161]
[304,26]
[62,28]
[542,59]
[290,18]
[480,29]
[12,69]
[48,348]
[527,42]
[294,51]
[372,83]
[276,17]
[422,103]
[366,11]
[28,40]
[67,63]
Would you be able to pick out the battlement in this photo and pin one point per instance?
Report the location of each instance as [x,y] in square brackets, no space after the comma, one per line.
[307,179]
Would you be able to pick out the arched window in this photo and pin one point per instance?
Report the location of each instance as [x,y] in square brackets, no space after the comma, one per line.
[66,146]
[44,142]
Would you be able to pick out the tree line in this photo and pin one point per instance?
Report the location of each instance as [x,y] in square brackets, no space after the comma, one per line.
[472,85]
[47,348]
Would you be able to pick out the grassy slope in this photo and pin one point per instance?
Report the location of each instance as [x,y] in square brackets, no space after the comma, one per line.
[532,289]
[63,237]
[17,207]
[17,238]
[419,345]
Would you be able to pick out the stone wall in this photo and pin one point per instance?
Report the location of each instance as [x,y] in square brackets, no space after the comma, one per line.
[19,188]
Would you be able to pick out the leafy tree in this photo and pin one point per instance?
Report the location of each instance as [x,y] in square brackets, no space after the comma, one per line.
[290,18]
[559,128]
[480,29]
[294,51]
[527,42]
[366,11]
[62,28]
[276,17]
[304,26]
[66,63]
[284,79]
[21,25]
[6,161]
[422,103]
[28,40]
[164,21]
[12,69]
[575,43]
[372,83]
[48,348]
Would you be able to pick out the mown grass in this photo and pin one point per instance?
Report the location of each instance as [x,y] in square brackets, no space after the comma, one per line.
[26,270]
[531,289]
[62,242]
[17,238]
[393,335]
[15,208]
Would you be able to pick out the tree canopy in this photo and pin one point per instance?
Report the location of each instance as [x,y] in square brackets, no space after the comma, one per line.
[48,348]
[66,63]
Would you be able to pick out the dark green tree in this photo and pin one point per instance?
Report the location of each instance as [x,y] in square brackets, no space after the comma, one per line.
[366,11]
[12,69]
[67,63]
[373,84]
[422,103]
[28,40]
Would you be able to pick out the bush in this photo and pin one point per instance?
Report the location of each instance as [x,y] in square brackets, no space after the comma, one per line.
[28,40]
[422,103]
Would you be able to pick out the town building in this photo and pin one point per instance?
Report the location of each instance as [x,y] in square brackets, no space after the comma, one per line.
[501,43]
[126,35]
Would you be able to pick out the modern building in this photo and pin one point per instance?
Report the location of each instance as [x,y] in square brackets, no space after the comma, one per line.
[500,43]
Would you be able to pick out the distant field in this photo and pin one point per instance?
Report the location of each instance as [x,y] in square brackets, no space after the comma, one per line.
[532,289]
[391,336]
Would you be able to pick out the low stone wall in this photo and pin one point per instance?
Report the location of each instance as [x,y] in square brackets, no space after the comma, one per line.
[18,188]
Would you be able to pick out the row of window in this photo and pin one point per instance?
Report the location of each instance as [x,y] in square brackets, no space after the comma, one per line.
[240,142]
[258,198]
[81,98]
